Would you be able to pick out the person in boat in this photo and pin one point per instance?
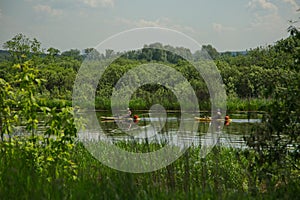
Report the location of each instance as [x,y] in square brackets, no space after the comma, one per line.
[128,115]
[135,118]
[227,120]
[217,120]
[218,115]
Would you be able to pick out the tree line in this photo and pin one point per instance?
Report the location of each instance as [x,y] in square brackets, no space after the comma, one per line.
[254,74]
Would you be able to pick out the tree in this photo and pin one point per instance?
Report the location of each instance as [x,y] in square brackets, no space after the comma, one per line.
[21,47]
[276,140]
[53,52]
[73,53]
[146,54]
[109,53]
[293,29]
[212,52]
[92,53]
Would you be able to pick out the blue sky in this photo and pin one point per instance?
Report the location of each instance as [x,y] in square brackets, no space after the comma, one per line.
[230,25]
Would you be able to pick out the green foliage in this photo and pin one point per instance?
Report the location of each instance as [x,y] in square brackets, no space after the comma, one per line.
[36,89]
[60,124]
[73,53]
[45,154]
[21,47]
[35,170]
[277,139]
[26,88]
[211,51]
[6,104]
[74,173]
[254,104]
[246,76]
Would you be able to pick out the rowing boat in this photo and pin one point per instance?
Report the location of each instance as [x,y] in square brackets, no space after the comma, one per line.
[208,119]
[105,118]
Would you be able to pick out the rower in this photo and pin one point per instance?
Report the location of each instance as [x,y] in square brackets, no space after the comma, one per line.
[218,115]
[227,120]
[135,118]
[128,113]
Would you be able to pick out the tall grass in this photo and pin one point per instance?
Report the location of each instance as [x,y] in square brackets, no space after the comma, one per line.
[233,104]
[223,174]
[237,104]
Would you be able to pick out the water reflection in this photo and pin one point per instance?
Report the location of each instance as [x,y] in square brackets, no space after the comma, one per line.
[200,133]
[230,136]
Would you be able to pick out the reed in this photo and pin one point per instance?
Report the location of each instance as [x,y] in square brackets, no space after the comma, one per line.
[233,104]
[222,174]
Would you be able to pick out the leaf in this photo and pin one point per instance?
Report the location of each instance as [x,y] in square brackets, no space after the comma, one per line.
[26,78]
[50,159]
[18,66]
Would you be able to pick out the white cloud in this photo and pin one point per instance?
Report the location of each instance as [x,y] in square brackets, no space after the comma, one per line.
[267,22]
[293,3]
[143,22]
[264,4]
[221,28]
[161,22]
[47,9]
[271,23]
[96,3]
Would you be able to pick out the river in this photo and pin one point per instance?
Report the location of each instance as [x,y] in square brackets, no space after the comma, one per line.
[151,129]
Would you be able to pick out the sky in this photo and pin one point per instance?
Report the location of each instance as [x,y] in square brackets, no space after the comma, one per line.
[228,25]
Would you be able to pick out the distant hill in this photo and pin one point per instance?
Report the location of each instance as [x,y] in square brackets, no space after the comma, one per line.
[234,53]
